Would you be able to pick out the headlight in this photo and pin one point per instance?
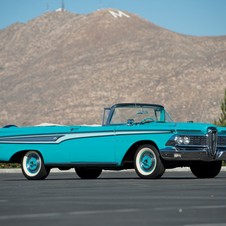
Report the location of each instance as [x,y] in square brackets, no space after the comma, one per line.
[182,140]
[179,140]
[186,140]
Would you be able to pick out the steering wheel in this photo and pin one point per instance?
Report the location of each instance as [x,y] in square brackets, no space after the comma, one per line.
[143,121]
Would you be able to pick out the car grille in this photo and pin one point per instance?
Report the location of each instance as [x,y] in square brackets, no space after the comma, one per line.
[194,141]
[212,142]
[198,140]
[221,141]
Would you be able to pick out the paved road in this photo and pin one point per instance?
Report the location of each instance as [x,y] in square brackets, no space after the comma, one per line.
[116,198]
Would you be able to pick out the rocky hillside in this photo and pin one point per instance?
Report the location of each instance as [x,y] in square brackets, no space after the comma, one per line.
[64,68]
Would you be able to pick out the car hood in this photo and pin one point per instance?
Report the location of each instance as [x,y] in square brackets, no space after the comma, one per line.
[193,127]
[178,128]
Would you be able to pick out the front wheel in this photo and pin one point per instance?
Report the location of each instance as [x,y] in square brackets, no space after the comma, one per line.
[86,173]
[33,167]
[147,162]
[206,169]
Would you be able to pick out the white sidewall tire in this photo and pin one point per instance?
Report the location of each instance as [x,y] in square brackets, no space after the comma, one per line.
[138,162]
[147,162]
[26,163]
[33,167]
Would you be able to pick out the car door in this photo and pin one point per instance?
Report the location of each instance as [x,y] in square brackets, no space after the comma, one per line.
[125,137]
[93,145]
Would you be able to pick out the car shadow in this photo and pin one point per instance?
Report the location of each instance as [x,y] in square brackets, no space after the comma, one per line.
[109,179]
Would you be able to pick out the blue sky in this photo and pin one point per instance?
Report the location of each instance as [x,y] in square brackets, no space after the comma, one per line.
[190,17]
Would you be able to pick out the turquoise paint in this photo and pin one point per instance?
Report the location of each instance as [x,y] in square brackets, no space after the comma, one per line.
[110,148]
[92,144]
[222,131]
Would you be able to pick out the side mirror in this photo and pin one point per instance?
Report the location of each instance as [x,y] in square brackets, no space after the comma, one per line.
[130,122]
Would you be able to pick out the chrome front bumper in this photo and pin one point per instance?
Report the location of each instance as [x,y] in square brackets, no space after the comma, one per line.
[198,154]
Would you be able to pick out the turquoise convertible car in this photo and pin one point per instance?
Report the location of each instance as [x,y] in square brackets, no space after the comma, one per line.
[140,136]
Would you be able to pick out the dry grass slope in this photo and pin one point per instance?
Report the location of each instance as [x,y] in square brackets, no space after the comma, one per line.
[64,68]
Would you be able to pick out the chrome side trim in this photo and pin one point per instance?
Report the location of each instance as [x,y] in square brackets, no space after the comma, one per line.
[59,138]
[31,139]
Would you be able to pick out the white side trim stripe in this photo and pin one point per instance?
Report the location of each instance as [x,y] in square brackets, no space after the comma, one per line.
[64,137]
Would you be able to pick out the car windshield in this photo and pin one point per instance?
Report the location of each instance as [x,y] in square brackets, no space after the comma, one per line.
[139,114]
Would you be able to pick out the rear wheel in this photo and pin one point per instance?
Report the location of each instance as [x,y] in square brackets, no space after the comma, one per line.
[86,173]
[206,169]
[33,166]
[147,162]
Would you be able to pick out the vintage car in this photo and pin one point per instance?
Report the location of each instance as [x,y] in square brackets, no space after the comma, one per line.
[132,135]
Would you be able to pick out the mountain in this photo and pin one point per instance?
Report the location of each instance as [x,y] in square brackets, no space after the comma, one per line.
[64,68]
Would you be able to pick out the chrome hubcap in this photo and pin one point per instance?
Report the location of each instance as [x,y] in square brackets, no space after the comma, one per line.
[33,163]
[147,161]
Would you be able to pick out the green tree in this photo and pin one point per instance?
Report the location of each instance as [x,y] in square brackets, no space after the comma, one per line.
[221,122]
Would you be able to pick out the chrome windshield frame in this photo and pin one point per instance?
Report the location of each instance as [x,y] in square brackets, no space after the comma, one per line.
[169,116]
[112,109]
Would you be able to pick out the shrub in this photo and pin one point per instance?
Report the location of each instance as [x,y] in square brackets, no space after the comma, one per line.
[9,165]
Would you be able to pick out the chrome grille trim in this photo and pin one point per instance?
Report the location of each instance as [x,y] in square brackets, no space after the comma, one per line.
[221,141]
[198,140]
[212,142]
